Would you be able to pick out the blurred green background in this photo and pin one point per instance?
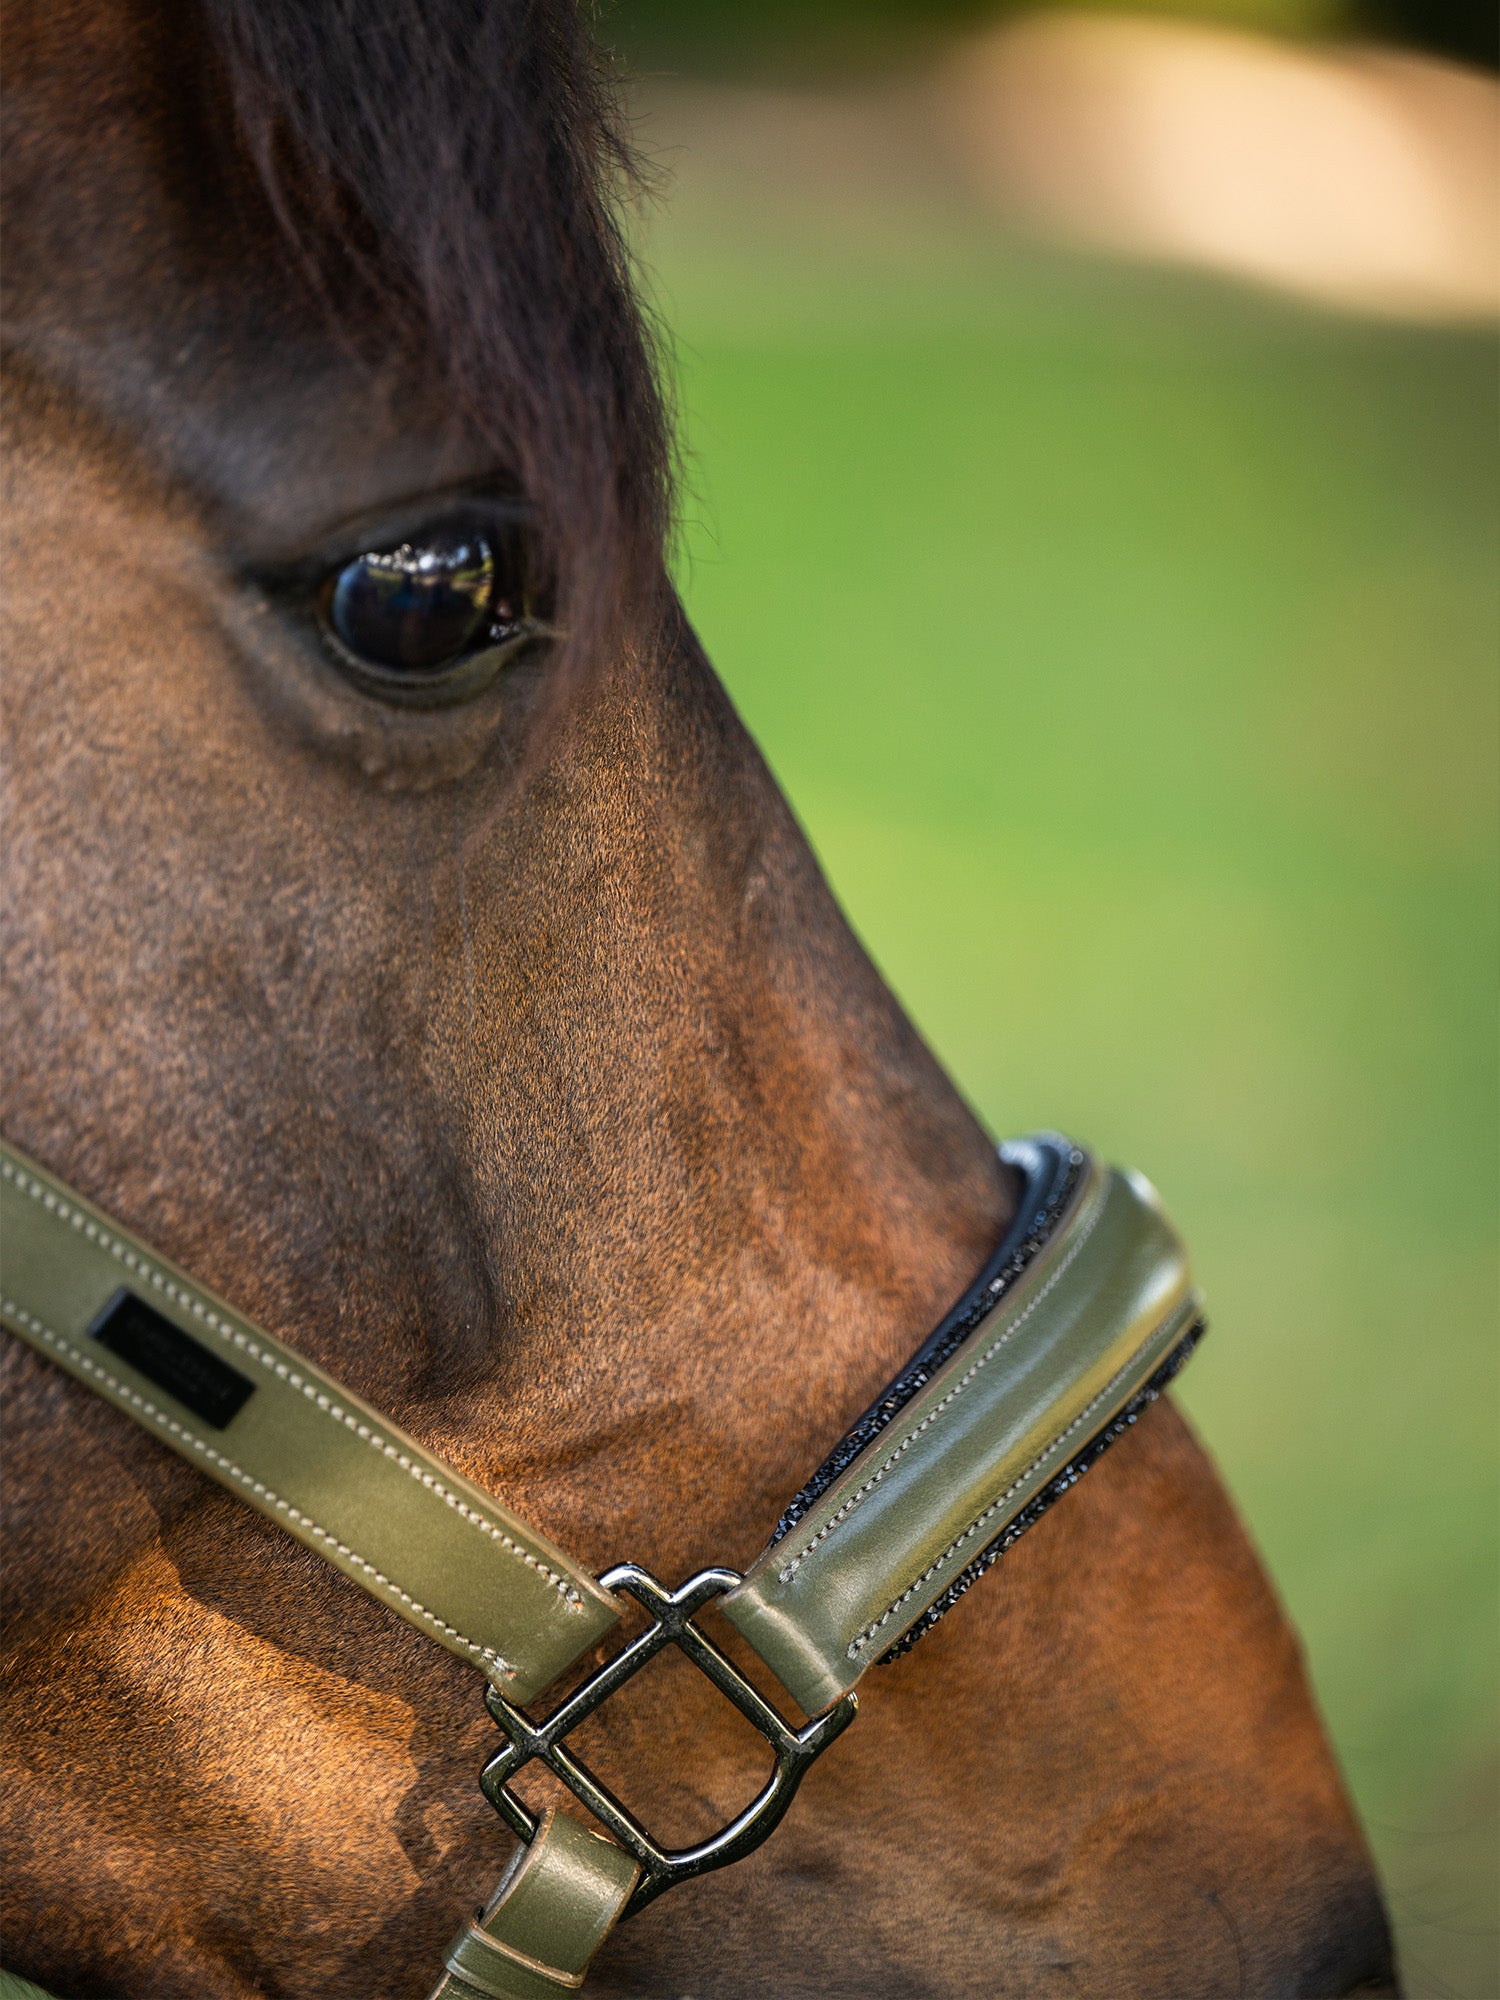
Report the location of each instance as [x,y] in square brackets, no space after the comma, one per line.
[1127,645]
[823,37]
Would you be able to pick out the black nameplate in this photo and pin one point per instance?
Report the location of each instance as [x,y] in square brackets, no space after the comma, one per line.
[160,1350]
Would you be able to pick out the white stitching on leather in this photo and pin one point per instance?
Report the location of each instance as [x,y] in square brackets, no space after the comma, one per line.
[496,1663]
[785,1575]
[853,1650]
[66,1212]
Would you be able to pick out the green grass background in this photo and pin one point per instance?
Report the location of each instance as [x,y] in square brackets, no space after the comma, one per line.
[1127,645]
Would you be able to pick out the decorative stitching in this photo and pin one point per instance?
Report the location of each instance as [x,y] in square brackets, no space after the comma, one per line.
[1039,1217]
[856,1646]
[1060,1478]
[786,1575]
[144,1268]
[261,1491]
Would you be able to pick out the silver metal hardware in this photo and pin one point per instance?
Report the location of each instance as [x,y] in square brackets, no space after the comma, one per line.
[671,1613]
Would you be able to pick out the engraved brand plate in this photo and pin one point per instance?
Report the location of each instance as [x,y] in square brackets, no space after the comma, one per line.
[160,1350]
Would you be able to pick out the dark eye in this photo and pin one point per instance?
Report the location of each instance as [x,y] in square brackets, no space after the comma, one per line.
[413,614]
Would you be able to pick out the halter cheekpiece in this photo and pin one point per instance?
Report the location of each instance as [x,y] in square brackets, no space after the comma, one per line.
[1079,1319]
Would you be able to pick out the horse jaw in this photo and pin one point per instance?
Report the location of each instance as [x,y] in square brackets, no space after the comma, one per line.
[544,1095]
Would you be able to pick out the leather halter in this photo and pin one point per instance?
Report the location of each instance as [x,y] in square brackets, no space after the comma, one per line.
[1078,1320]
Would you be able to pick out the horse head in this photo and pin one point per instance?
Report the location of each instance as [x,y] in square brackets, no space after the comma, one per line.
[404,935]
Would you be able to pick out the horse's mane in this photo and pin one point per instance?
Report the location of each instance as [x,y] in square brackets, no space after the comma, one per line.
[448,171]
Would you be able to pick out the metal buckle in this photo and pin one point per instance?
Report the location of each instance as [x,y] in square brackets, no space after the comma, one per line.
[671,1613]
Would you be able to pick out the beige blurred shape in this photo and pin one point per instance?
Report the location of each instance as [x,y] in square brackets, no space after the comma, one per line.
[1363,179]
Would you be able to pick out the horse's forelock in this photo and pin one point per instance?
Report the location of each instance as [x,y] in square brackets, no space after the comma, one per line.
[450,168]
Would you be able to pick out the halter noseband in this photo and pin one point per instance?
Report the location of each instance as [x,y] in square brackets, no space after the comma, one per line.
[1079,1319]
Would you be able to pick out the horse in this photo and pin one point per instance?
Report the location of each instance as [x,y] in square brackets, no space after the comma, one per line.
[488,1030]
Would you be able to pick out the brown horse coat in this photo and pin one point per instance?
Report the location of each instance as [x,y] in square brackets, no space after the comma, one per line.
[513,1060]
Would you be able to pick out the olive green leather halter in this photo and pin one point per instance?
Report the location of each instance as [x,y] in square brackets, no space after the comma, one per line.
[1078,1320]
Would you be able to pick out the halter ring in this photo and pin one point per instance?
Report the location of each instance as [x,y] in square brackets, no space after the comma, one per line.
[671,1614]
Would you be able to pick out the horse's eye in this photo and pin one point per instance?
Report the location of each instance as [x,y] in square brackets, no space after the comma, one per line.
[415,609]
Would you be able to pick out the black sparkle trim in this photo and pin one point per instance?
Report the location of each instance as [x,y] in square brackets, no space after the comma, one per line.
[1055,1488]
[1048,1199]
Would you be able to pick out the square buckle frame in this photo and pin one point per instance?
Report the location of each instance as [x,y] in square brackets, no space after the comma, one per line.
[671,1613]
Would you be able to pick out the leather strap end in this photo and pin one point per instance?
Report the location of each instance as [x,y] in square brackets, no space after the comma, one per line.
[559,1900]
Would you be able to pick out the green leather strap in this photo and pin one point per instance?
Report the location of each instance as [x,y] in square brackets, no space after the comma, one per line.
[553,1909]
[1092,1318]
[12,1988]
[993,1408]
[555,1905]
[300,1447]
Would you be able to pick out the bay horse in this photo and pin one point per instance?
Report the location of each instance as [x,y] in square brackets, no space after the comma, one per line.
[488,1030]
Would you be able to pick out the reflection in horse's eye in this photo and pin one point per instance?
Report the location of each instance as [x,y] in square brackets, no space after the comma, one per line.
[416,608]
